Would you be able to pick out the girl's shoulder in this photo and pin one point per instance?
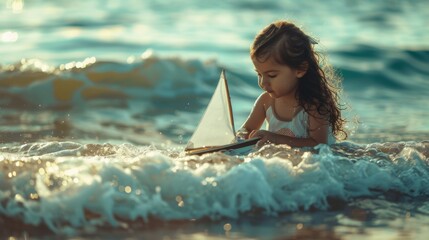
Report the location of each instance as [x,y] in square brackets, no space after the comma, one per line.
[264,100]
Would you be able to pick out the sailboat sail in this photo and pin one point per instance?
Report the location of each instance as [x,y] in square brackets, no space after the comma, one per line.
[216,127]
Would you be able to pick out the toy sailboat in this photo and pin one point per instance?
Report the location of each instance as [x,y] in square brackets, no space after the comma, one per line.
[216,131]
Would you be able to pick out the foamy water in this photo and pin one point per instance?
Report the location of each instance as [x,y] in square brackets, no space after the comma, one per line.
[70,186]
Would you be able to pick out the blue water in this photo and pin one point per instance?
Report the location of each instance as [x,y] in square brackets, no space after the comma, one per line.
[98,99]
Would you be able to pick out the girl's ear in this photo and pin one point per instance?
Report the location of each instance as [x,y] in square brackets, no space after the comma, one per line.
[302,70]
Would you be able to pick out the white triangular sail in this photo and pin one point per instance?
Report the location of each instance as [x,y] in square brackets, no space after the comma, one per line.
[216,127]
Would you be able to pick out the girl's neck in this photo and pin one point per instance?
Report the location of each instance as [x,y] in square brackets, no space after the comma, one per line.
[288,100]
[285,109]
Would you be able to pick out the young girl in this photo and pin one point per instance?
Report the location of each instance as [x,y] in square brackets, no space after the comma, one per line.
[299,102]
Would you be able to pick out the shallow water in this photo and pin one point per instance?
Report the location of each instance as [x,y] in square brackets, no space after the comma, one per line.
[98,99]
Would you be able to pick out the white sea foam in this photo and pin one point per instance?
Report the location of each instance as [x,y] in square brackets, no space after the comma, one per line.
[80,187]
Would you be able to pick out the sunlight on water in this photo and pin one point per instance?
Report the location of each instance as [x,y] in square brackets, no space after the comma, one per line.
[15,5]
[83,64]
[9,37]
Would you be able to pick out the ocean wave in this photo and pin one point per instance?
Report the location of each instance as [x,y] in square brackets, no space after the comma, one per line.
[395,70]
[31,83]
[69,187]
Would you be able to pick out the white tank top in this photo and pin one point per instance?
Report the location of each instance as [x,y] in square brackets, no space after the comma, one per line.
[296,127]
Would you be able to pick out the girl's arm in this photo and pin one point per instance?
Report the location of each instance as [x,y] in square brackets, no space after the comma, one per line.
[318,133]
[256,117]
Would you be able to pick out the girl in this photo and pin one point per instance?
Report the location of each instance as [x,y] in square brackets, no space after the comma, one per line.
[299,102]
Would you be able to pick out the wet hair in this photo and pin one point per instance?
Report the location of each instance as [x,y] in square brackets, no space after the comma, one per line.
[319,88]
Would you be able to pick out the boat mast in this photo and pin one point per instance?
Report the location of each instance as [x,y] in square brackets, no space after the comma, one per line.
[231,115]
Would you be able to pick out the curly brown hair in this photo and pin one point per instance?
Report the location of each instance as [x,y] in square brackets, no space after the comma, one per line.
[319,88]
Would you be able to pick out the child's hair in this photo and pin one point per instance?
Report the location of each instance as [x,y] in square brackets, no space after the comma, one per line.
[319,87]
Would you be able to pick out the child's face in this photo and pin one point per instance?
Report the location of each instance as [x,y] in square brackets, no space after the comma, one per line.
[278,80]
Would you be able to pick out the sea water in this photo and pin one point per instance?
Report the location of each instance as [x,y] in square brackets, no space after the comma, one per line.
[98,99]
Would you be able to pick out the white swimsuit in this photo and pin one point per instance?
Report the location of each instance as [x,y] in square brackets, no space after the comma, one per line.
[296,127]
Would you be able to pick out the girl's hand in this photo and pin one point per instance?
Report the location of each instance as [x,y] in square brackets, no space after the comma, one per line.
[267,137]
[242,134]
